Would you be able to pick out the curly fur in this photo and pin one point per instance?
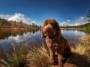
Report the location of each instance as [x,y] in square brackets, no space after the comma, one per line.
[57,46]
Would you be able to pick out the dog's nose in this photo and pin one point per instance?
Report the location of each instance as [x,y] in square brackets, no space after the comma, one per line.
[47,38]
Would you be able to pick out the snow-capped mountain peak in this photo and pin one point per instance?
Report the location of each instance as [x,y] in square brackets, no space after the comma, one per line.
[18,17]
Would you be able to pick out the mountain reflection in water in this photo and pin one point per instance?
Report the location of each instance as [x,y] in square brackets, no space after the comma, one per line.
[36,39]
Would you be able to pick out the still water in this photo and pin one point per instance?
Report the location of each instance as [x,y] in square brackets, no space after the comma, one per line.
[35,38]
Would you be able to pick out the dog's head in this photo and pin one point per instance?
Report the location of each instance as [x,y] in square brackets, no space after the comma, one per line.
[50,28]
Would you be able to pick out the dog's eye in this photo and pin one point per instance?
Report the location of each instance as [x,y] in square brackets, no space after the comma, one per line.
[43,36]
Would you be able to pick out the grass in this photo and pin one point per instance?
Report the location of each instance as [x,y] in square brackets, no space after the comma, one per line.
[16,58]
[83,47]
[82,52]
[86,29]
[38,57]
[80,57]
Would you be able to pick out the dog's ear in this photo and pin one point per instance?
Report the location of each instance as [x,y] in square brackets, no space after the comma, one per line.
[56,27]
[45,23]
[43,35]
[42,31]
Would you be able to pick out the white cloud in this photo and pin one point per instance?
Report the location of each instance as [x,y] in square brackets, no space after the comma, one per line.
[21,17]
[68,20]
[18,17]
[64,23]
[4,16]
[79,21]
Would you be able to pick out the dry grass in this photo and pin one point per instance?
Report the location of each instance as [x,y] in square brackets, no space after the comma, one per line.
[80,57]
[82,52]
[16,58]
[38,57]
[83,48]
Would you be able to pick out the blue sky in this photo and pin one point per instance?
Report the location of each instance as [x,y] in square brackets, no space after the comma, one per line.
[39,10]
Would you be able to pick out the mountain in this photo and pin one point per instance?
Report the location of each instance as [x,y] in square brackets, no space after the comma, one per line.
[18,17]
[4,24]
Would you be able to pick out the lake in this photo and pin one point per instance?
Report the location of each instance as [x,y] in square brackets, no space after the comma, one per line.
[35,38]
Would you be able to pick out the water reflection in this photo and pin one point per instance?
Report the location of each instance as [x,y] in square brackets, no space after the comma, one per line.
[29,38]
[72,34]
[35,38]
[21,38]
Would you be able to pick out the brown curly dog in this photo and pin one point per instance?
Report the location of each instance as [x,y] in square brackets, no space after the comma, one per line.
[58,47]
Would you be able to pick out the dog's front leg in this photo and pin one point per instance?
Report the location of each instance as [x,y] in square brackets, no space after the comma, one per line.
[60,60]
[51,54]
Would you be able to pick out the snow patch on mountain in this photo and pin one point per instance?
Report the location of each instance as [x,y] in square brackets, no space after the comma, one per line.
[18,17]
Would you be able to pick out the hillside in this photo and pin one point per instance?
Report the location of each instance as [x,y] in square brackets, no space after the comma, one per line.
[83,27]
[16,25]
[86,27]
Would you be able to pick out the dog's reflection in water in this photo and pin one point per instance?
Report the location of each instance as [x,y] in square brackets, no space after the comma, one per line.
[58,47]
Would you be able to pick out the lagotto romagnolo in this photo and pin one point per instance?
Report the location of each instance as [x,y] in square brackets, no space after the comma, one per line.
[57,46]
